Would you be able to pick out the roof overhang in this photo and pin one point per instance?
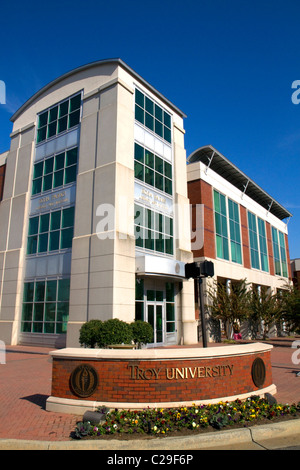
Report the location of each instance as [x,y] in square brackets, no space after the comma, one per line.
[117,62]
[227,170]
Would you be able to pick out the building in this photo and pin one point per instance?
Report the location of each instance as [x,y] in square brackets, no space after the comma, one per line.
[92,226]
[244,230]
[295,267]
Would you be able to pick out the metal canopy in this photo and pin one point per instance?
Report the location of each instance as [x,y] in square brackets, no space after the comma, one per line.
[223,167]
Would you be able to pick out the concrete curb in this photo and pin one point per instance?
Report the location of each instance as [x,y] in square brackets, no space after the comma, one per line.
[269,436]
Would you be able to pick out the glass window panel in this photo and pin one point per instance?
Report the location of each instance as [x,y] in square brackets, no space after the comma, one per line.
[37,327]
[138,153]
[170,327]
[63,290]
[41,134]
[32,245]
[225,248]
[58,178]
[62,311]
[49,328]
[159,296]
[158,128]
[149,105]
[66,238]
[38,170]
[62,124]
[59,161]
[138,215]
[47,182]
[149,218]
[63,108]
[168,170]
[44,223]
[28,292]
[139,236]
[139,98]
[139,171]
[149,159]
[219,246]
[151,295]
[61,328]
[149,176]
[223,204]
[170,292]
[139,114]
[70,174]
[37,186]
[74,119]
[51,129]
[158,113]
[168,186]
[51,291]
[149,121]
[159,181]
[149,239]
[26,327]
[169,245]
[170,312]
[33,225]
[168,226]
[53,114]
[43,119]
[50,311]
[167,119]
[159,243]
[27,312]
[158,222]
[139,289]
[159,164]
[139,311]
[217,201]
[67,217]
[55,220]
[71,157]
[38,312]
[167,134]
[39,293]
[54,240]
[48,166]
[75,102]
[43,243]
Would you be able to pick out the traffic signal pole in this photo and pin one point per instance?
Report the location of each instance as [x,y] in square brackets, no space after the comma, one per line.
[202,311]
[199,271]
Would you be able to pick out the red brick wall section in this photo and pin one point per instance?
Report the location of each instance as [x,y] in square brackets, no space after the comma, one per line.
[288,257]
[270,249]
[200,192]
[245,237]
[171,380]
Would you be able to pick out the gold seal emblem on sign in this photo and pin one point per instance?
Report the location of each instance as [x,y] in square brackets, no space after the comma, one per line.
[84,380]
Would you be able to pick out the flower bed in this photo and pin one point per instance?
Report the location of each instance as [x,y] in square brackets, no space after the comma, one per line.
[175,421]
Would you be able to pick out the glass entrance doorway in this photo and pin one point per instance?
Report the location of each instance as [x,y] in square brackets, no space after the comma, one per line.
[155,304]
[155,316]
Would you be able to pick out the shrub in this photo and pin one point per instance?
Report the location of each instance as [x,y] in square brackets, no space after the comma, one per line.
[142,332]
[115,331]
[90,332]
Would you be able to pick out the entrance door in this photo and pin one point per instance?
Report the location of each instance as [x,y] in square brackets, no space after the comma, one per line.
[155,314]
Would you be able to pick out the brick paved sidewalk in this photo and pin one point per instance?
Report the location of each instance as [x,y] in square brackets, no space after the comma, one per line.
[25,384]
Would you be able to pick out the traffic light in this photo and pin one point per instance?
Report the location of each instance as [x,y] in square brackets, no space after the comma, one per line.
[207,269]
[203,269]
[192,270]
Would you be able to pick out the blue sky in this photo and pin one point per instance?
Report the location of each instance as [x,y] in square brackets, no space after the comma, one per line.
[228,64]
